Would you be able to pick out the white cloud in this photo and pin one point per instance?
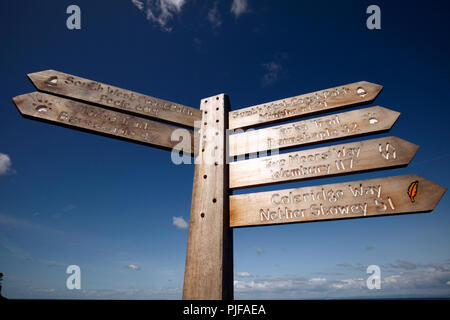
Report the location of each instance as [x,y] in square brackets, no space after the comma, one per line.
[31,292]
[423,281]
[272,72]
[259,251]
[5,164]
[160,11]
[317,280]
[214,16]
[244,274]
[133,267]
[138,4]
[239,7]
[392,279]
[348,283]
[179,222]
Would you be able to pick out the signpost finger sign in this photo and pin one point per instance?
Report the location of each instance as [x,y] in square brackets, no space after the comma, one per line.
[354,199]
[83,116]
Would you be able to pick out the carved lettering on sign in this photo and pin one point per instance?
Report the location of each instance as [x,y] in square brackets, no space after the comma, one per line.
[113,97]
[346,124]
[333,160]
[314,102]
[335,201]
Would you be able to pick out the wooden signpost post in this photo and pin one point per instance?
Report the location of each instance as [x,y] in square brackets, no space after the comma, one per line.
[88,105]
[209,260]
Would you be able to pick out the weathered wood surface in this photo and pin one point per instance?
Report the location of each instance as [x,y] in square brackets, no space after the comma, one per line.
[67,85]
[324,100]
[336,126]
[355,199]
[327,161]
[78,115]
[209,259]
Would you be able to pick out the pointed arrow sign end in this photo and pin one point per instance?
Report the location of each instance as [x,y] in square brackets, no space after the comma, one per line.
[43,80]
[18,102]
[432,191]
[368,90]
[389,116]
[411,148]
[30,104]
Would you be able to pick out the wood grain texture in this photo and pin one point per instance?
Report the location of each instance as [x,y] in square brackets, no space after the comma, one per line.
[327,161]
[209,259]
[78,115]
[305,104]
[355,199]
[336,126]
[71,86]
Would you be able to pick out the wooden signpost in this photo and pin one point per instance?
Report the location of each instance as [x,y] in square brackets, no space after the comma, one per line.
[88,105]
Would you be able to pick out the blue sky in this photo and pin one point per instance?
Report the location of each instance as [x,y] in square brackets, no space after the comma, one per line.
[111,207]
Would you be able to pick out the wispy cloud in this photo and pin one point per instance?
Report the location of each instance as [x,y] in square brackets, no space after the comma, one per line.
[5,164]
[402,264]
[15,250]
[138,4]
[65,209]
[160,11]
[179,222]
[14,223]
[69,207]
[198,41]
[133,267]
[344,265]
[239,7]
[214,16]
[273,69]
[271,73]
[114,294]
[244,274]
[259,251]
[20,253]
